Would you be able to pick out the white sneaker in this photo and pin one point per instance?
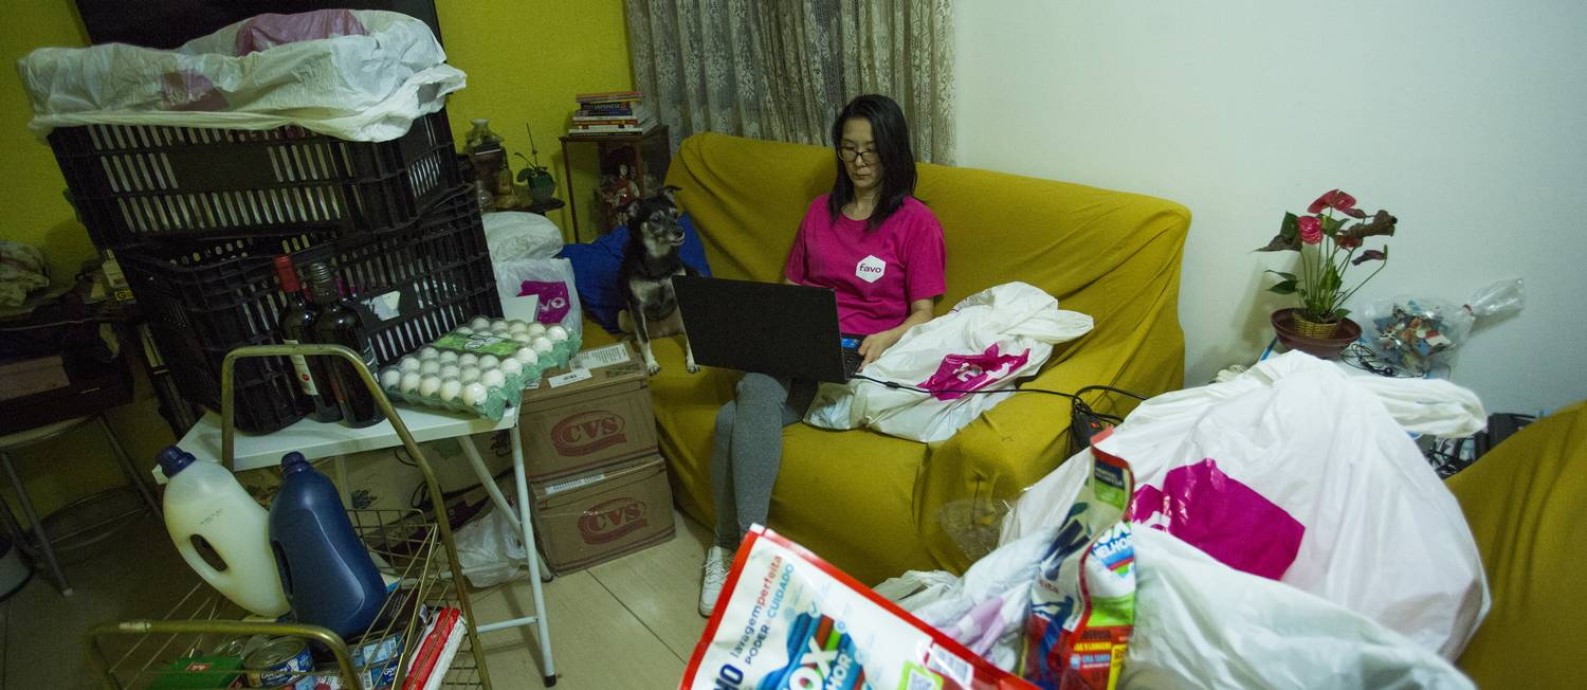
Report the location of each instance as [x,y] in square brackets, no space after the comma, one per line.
[717,562]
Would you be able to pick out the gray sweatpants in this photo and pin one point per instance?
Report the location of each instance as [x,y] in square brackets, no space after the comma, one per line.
[747,450]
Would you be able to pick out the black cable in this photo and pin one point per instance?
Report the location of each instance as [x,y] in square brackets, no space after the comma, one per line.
[914,389]
[1075,396]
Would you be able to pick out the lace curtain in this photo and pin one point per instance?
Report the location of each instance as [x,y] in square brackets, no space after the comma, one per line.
[781,69]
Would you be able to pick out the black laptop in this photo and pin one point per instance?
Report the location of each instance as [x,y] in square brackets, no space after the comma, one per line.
[787,331]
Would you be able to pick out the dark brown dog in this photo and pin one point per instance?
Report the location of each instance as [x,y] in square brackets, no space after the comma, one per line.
[649,263]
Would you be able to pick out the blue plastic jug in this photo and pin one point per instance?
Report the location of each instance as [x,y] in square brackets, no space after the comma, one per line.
[328,576]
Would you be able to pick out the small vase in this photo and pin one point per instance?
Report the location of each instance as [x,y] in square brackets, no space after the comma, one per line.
[1287,324]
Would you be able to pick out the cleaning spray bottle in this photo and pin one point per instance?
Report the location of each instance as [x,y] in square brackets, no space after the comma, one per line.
[327,573]
[204,502]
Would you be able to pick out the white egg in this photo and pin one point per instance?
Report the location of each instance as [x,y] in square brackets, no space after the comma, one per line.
[537,329]
[557,334]
[428,352]
[429,367]
[410,382]
[391,378]
[479,322]
[467,359]
[450,371]
[463,330]
[488,361]
[449,390]
[510,367]
[492,378]
[448,357]
[526,355]
[409,363]
[516,326]
[499,327]
[543,345]
[429,386]
[468,374]
[473,394]
[522,338]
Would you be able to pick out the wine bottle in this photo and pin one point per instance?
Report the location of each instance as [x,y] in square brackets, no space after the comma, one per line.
[313,377]
[339,324]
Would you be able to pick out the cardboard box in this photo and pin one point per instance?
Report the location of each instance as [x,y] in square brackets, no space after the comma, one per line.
[596,517]
[585,417]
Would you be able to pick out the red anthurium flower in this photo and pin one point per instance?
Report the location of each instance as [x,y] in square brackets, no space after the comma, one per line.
[1336,200]
[1311,231]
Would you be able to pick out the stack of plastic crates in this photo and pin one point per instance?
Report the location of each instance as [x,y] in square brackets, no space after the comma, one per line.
[197,216]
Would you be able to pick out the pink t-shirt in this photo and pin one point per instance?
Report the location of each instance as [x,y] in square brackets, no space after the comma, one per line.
[876,273]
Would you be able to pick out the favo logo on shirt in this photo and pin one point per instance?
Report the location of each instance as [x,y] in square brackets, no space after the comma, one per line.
[870,269]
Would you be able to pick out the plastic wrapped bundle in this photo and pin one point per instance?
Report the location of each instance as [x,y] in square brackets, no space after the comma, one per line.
[351,74]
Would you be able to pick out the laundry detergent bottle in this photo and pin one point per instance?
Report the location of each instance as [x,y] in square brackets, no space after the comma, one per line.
[203,501]
[329,578]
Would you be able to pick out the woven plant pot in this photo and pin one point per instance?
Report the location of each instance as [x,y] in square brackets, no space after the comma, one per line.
[1305,326]
[1325,340]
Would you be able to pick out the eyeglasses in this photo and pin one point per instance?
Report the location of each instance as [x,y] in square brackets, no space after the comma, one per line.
[868,156]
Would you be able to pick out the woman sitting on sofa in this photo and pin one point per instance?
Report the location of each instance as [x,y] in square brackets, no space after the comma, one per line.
[881,250]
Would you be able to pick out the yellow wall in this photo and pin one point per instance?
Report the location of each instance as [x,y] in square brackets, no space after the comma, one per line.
[32,209]
[525,59]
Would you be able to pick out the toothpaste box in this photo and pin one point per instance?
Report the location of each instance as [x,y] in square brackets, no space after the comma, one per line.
[595,517]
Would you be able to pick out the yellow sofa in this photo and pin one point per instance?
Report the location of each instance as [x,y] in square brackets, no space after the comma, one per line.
[876,505]
[1526,502]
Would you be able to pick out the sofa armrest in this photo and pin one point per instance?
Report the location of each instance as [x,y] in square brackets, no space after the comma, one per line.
[1136,346]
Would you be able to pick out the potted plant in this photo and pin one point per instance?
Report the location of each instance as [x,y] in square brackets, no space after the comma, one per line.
[1329,246]
[542,186]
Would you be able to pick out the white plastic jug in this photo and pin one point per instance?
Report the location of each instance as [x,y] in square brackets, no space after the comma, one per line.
[204,500]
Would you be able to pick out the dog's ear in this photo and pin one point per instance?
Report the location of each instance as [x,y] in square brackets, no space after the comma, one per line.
[670,193]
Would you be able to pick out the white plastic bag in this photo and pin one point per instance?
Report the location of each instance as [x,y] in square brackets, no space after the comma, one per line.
[368,87]
[491,549]
[1299,467]
[550,281]
[987,342]
[1202,624]
[986,609]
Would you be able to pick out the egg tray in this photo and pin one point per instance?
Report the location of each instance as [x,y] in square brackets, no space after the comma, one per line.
[497,398]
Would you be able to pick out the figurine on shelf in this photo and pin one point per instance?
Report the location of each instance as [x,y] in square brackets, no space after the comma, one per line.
[616,192]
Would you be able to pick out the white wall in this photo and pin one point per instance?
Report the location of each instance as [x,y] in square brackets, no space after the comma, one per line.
[1467,120]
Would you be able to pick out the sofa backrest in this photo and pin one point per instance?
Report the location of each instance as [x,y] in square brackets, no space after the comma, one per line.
[1093,249]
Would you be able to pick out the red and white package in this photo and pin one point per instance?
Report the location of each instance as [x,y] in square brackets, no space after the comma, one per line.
[789,620]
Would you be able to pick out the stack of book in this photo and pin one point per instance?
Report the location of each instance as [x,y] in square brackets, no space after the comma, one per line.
[612,112]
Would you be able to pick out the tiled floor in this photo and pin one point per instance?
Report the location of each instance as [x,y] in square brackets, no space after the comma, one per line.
[629,623]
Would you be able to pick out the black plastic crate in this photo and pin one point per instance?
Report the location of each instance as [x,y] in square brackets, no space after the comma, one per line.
[135,184]
[203,300]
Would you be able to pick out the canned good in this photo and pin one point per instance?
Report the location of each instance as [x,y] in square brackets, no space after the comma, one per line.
[239,646]
[280,663]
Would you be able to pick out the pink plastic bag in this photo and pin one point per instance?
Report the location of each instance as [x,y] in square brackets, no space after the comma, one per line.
[960,373]
[1221,516]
